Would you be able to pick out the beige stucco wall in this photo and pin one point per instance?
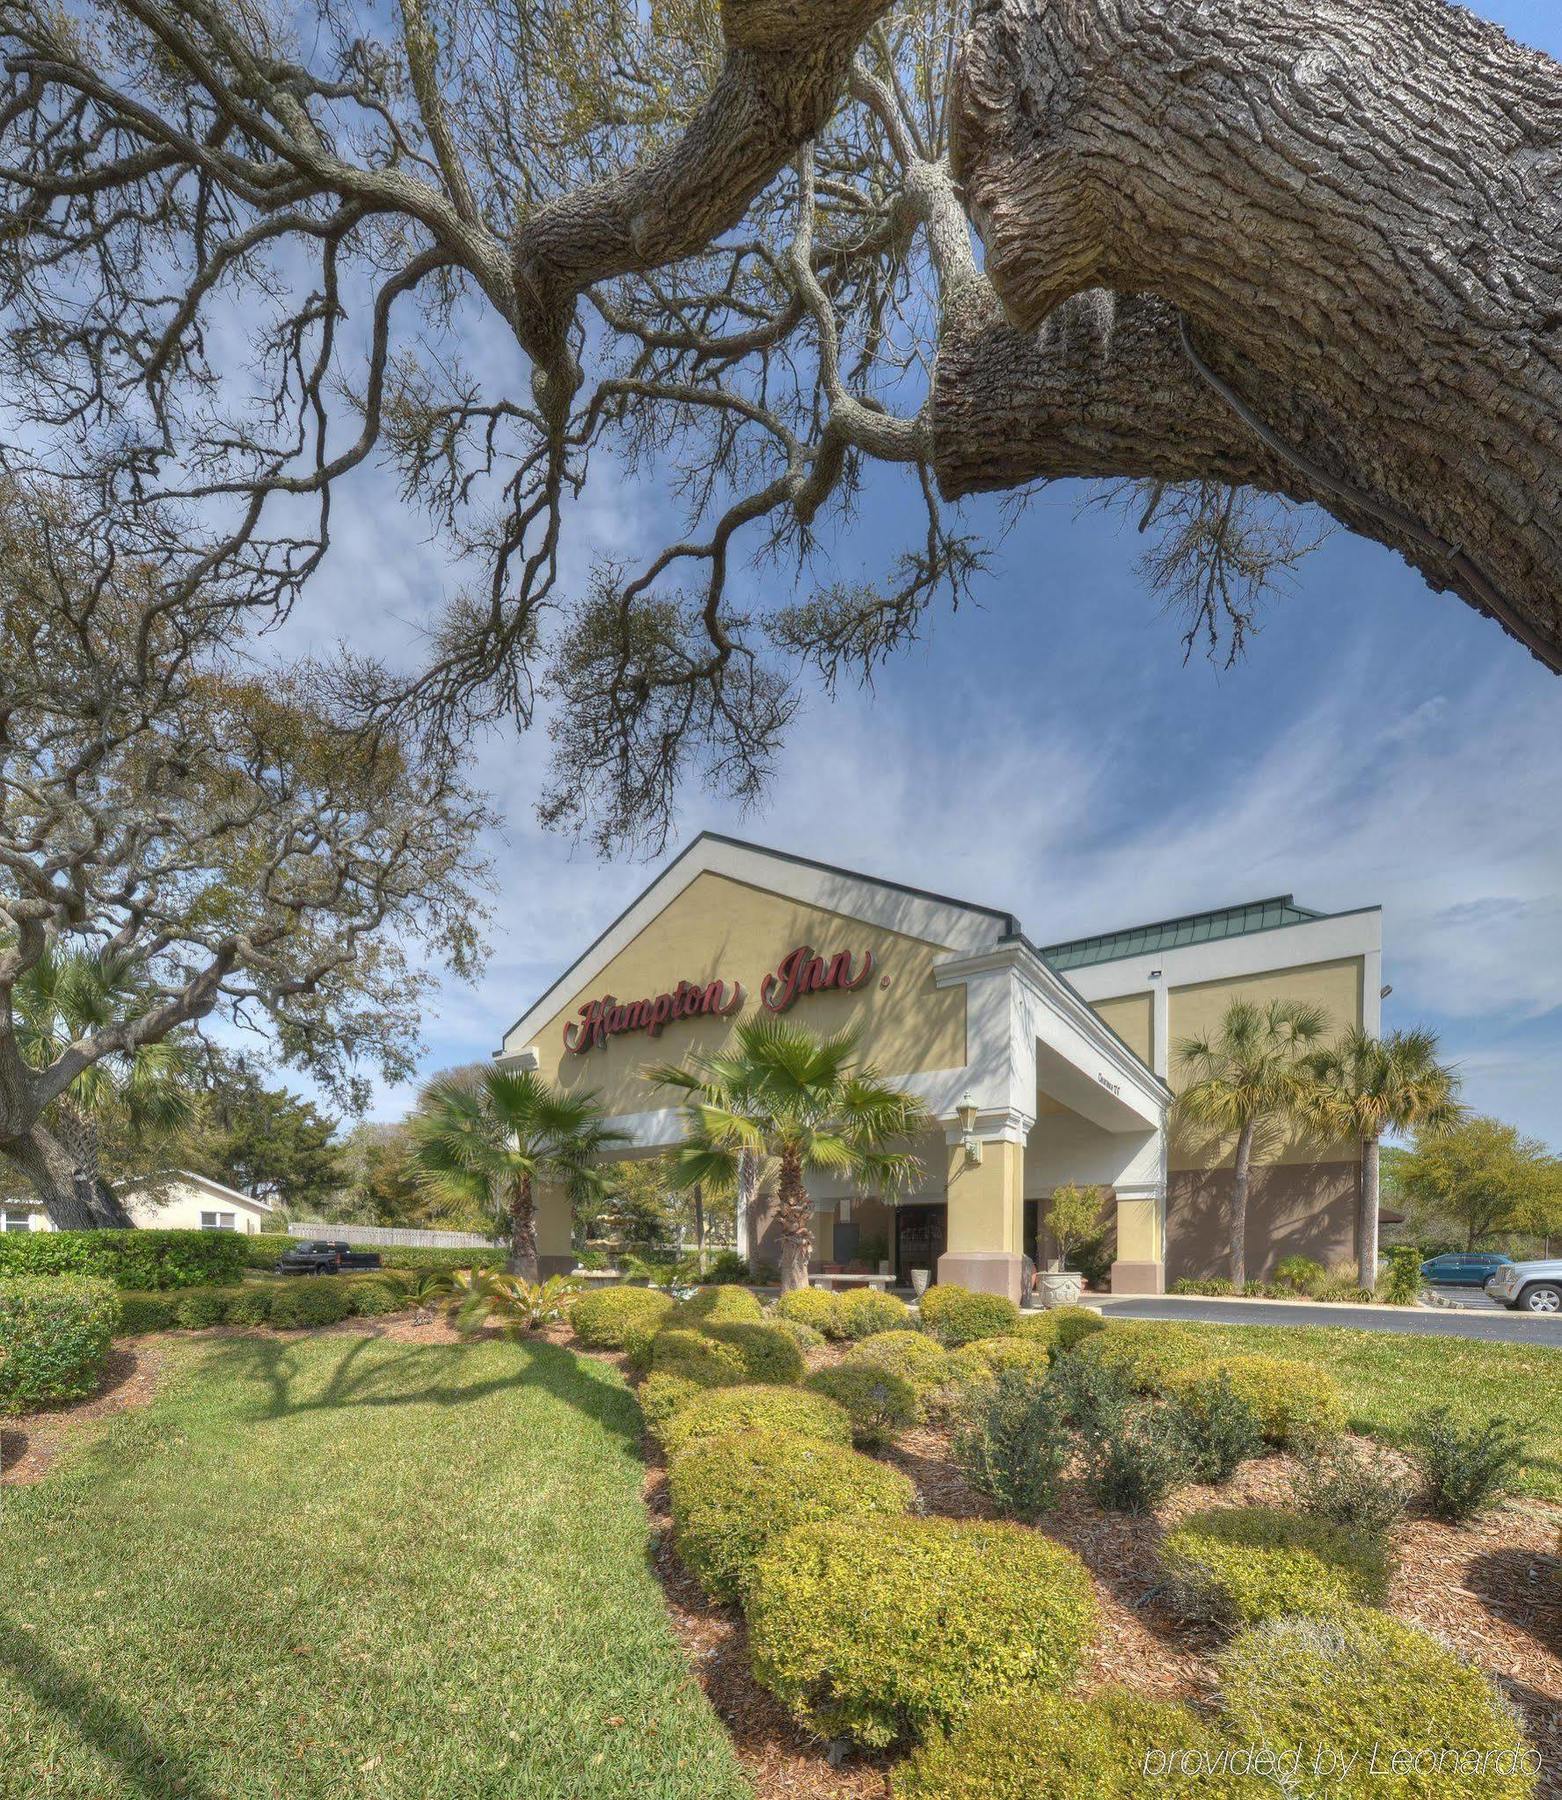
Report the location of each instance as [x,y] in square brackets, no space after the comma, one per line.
[718,927]
[178,1205]
[1132,1017]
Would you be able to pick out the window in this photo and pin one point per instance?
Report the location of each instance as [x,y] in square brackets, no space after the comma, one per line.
[217,1221]
[15,1218]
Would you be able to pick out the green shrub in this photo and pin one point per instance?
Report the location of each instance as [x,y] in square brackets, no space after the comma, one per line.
[1039,1746]
[1096,1394]
[145,1261]
[1260,1290]
[1217,1287]
[1031,1353]
[804,1336]
[638,1337]
[1363,1686]
[372,1298]
[885,1629]
[912,1355]
[1297,1403]
[1136,1465]
[860,1312]
[1402,1277]
[196,1308]
[661,1396]
[956,1315]
[601,1319]
[1299,1274]
[1240,1564]
[717,1412]
[262,1250]
[768,1353]
[1464,1468]
[1072,1323]
[265,1249]
[144,1312]
[1354,1484]
[1221,1429]
[250,1304]
[309,1300]
[732,1497]
[718,1306]
[54,1337]
[697,1357]
[1146,1351]
[880,1404]
[1042,1327]
[810,1306]
[1015,1444]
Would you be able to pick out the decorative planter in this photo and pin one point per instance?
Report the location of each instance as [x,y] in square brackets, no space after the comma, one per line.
[1061,1287]
[919,1281]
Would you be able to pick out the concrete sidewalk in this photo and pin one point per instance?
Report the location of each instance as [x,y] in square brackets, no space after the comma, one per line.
[1491,1323]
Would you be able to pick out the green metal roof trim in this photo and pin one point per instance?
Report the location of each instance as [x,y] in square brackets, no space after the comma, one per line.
[1173,934]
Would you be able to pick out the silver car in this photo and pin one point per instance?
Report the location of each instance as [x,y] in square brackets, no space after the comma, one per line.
[1529,1287]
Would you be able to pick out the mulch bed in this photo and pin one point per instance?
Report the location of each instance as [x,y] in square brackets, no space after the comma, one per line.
[28,1445]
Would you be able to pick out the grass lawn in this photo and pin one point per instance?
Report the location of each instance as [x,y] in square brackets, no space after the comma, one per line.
[1387,1376]
[348,1567]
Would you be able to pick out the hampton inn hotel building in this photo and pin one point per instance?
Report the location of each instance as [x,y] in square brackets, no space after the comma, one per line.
[1041,1063]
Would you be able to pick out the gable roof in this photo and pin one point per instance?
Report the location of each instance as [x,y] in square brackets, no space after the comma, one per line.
[1173,934]
[219,1190]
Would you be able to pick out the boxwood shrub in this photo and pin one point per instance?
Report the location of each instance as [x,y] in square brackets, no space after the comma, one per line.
[879,1403]
[884,1629]
[262,1250]
[810,1306]
[716,1412]
[860,1312]
[912,1355]
[697,1356]
[718,1306]
[1014,1350]
[1363,1684]
[768,1352]
[1146,1352]
[1297,1403]
[195,1308]
[1042,1746]
[1073,1323]
[1239,1564]
[250,1304]
[600,1319]
[311,1300]
[54,1337]
[662,1396]
[140,1313]
[804,1336]
[733,1496]
[956,1315]
[139,1260]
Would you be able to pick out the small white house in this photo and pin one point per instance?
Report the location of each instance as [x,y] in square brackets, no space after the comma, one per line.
[175,1201]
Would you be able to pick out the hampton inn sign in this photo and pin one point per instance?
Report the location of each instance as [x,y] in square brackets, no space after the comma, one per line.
[798,973]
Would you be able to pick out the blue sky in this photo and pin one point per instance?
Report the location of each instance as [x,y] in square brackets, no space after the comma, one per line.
[1046,750]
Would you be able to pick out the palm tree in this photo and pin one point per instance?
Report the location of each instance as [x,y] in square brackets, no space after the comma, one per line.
[1366,1086]
[1249,1074]
[486,1140]
[783,1094]
[149,1091]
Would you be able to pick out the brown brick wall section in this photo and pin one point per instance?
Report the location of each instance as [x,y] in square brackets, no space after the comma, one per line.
[1293,1209]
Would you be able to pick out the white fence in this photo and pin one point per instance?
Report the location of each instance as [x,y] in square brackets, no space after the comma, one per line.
[396,1235]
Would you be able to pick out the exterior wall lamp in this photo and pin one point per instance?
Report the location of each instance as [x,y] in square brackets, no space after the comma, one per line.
[966,1112]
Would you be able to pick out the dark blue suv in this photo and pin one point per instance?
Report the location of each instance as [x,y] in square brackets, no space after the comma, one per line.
[1464,1268]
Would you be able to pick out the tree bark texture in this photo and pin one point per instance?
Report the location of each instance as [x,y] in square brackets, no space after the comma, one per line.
[794,1216]
[1356,205]
[75,1197]
[522,1259]
[1239,1185]
[1367,1238]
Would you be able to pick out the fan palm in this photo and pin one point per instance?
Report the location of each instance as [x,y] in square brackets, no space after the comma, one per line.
[780,1093]
[68,995]
[1366,1086]
[1250,1073]
[488,1141]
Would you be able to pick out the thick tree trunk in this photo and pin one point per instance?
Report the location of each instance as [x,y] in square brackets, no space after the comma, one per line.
[522,1259]
[794,1213]
[75,1197]
[1239,1186]
[1367,1233]
[1356,206]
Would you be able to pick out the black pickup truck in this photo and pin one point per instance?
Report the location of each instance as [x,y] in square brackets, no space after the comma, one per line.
[314,1256]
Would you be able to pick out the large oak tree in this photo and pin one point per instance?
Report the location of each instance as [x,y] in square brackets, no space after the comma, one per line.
[1207,247]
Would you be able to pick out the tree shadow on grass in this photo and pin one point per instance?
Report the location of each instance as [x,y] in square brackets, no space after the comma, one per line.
[97,1720]
[366,1373]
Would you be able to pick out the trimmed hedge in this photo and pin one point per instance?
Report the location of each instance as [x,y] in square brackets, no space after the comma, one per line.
[140,1313]
[259,1303]
[1075,1323]
[54,1337]
[912,1355]
[885,1629]
[697,1357]
[718,1306]
[956,1315]
[145,1260]
[1030,1352]
[1240,1564]
[662,1396]
[1146,1352]
[1296,1402]
[1045,1747]
[804,1336]
[1363,1685]
[861,1312]
[716,1412]
[262,1250]
[733,1497]
[601,1319]
[880,1404]
[196,1308]
[768,1352]
[810,1306]
[311,1300]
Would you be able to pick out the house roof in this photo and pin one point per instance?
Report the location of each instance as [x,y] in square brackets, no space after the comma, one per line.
[218,1189]
[1240,920]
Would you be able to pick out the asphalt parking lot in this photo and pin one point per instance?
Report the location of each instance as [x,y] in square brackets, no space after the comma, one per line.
[1483,1319]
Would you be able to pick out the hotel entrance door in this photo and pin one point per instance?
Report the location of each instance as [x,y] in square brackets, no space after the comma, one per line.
[921,1237]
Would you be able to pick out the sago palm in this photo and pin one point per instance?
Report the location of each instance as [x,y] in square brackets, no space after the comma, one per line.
[1366,1086]
[489,1141]
[1250,1073]
[806,1103]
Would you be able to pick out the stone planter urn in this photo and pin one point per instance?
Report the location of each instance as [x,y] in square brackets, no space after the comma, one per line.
[919,1281]
[1061,1287]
